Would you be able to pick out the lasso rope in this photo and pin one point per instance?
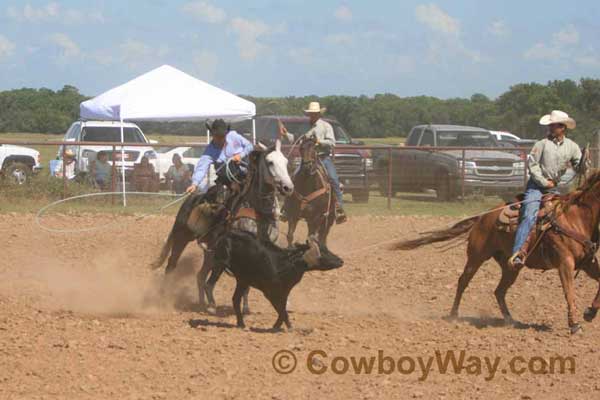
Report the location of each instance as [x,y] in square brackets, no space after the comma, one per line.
[43,210]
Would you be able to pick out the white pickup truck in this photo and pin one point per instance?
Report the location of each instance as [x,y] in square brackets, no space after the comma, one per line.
[109,131]
[18,163]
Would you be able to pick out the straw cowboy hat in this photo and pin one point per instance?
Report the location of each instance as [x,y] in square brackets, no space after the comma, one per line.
[558,117]
[314,107]
[69,153]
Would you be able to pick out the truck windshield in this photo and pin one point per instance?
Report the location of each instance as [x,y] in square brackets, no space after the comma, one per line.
[465,139]
[111,134]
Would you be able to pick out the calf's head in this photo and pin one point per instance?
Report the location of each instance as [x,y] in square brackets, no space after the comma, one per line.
[318,258]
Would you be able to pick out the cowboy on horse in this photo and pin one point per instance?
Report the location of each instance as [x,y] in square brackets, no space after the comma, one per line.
[548,162]
[225,145]
[322,132]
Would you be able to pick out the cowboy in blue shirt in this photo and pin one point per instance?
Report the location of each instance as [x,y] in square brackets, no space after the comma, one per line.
[224,145]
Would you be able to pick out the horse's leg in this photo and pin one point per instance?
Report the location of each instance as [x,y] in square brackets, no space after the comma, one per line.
[207,266]
[472,266]
[509,276]
[245,305]
[313,225]
[565,272]
[180,241]
[324,228]
[593,271]
[292,224]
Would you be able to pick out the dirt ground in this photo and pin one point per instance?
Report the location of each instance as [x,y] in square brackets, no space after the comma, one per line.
[80,317]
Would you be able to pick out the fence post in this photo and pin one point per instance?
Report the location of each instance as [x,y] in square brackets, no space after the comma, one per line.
[113,177]
[389,197]
[463,173]
[64,174]
[525,169]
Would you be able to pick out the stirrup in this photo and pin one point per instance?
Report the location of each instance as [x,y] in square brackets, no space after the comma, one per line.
[340,217]
[517,260]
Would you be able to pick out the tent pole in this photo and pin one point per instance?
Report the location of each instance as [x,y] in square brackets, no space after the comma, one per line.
[122,159]
[253,131]
[207,136]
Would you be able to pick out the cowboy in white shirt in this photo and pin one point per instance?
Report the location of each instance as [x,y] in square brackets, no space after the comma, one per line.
[322,132]
[548,162]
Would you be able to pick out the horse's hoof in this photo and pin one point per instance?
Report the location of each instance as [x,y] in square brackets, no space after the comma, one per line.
[452,317]
[241,326]
[509,321]
[211,309]
[575,329]
[589,314]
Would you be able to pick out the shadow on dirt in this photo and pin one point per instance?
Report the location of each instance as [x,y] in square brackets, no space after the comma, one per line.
[492,322]
[196,323]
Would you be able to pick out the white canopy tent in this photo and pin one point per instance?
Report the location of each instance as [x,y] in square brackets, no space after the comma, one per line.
[166,94]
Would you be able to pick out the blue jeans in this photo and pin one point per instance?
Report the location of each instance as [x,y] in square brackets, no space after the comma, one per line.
[528,215]
[333,178]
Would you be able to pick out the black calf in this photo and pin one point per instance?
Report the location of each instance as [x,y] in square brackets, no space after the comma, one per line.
[268,268]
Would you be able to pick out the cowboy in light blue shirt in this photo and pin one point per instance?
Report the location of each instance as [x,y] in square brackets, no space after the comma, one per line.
[224,145]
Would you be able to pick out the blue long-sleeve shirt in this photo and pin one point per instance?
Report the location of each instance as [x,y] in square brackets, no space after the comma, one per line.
[234,144]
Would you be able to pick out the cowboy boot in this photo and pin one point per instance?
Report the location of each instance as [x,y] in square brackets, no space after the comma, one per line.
[340,215]
[518,259]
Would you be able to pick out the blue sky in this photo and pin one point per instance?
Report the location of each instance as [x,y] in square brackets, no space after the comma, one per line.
[285,48]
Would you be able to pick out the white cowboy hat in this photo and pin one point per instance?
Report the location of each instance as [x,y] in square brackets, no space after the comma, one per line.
[314,107]
[558,117]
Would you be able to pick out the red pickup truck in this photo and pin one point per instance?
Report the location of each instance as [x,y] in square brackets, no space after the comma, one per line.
[353,164]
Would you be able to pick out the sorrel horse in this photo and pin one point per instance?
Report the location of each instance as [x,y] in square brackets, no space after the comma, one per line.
[313,199]
[568,245]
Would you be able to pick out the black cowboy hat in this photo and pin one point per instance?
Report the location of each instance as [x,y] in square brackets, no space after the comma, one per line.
[218,127]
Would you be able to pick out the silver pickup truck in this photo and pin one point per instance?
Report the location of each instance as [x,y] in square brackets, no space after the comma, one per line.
[486,171]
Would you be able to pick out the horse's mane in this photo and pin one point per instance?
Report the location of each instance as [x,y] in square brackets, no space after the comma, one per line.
[577,195]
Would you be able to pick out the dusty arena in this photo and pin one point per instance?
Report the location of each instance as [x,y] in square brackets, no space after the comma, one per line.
[80,317]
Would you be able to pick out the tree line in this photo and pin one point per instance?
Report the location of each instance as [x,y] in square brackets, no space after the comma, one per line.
[383,115]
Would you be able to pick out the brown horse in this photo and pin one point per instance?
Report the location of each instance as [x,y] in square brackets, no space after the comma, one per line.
[313,199]
[568,245]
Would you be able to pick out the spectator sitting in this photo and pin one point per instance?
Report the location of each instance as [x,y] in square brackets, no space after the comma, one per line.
[144,177]
[178,176]
[101,170]
[70,165]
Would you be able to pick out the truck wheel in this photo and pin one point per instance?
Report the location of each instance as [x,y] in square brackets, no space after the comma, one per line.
[443,189]
[360,197]
[18,173]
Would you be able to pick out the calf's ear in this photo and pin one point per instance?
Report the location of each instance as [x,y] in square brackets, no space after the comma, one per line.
[312,255]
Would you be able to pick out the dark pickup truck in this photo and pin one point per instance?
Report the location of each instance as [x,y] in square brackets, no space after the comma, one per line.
[489,172]
[353,164]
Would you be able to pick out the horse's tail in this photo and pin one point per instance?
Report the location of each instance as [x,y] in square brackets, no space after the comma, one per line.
[164,253]
[454,232]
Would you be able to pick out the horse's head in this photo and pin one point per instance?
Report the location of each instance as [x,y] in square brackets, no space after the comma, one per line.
[273,168]
[308,154]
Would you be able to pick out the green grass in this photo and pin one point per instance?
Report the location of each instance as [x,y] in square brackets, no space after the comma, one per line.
[420,204]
